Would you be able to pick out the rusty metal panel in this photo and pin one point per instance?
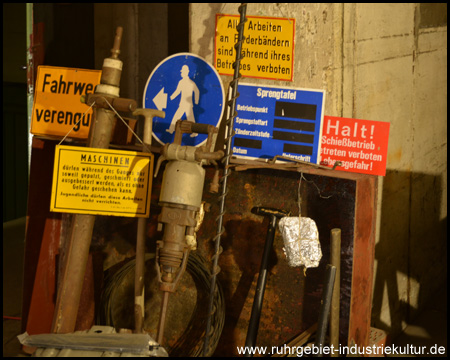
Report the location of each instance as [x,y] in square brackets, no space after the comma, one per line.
[363,259]
[41,243]
[292,300]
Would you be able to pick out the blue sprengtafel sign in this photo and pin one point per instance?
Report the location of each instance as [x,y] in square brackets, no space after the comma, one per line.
[274,121]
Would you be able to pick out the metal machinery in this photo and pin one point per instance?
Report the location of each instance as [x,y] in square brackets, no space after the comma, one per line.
[107,92]
[180,199]
[181,214]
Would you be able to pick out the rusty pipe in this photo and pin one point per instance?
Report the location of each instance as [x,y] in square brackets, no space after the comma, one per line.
[325,306]
[335,302]
[214,186]
[103,101]
[139,287]
[188,127]
[204,155]
[74,267]
[162,317]
[69,291]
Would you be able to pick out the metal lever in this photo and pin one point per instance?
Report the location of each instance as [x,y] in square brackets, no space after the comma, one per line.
[274,215]
[139,303]
[175,151]
[149,114]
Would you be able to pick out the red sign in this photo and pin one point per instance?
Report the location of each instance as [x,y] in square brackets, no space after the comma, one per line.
[360,145]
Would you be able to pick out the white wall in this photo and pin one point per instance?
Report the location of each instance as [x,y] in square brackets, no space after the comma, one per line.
[384,62]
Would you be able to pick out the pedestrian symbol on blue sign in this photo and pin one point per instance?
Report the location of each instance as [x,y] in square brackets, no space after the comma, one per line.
[187,88]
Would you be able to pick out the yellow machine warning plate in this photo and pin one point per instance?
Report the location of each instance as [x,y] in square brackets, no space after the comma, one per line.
[101,182]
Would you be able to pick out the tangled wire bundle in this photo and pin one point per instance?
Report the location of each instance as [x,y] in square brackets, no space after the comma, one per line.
[191,341]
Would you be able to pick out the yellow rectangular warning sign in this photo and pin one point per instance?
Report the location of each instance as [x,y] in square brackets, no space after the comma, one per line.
[57,107]
[101,182]
[268,48]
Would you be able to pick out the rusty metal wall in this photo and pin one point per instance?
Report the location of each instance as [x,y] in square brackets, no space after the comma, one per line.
[292,300]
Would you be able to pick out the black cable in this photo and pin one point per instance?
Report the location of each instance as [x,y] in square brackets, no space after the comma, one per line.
[190,342]
[231,103]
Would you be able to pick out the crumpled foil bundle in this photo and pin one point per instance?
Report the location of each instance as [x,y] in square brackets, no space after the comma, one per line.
[304,249]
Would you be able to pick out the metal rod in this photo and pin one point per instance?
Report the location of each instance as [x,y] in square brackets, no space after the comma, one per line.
[226,160]
[325,307]
[74,267]
[139,282]
[253,325]
[30,77]
[335,302]
[162,317]
[69,290]
[139,301]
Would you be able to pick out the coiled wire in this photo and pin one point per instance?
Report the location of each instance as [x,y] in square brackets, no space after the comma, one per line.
[189,343]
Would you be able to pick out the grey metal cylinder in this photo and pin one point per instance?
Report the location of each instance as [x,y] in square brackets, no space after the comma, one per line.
[183,183]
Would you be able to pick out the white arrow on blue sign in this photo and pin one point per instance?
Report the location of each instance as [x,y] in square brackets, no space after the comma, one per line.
[274,121]
[186,87]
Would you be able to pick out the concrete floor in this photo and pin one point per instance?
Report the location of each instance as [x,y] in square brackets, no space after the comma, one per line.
[429,329]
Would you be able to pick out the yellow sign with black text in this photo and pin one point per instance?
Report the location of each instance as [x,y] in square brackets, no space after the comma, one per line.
[101,181]
[57,108]
[267,50]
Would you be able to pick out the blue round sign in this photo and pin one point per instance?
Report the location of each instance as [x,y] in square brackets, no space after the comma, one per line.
[185,87]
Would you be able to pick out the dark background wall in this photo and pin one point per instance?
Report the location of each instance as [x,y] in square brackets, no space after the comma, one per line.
[15,132]
[78,35]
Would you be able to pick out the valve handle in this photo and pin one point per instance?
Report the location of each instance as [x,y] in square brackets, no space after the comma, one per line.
[200,128]
[158,164]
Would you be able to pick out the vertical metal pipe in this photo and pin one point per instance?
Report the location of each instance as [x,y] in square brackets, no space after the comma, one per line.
[325,307]
[335,302]
[229,134]
[69,290]
[139,282]
[139,286]
[253,325]
[103,124]
[30,78]
[162,317]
